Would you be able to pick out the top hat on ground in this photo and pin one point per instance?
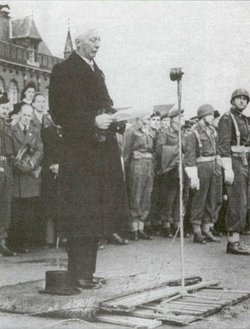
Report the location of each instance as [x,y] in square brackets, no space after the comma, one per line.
[59,283]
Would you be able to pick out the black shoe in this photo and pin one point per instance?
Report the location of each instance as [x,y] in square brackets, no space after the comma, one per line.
[144,236]
[209,237]
[99,279]
[134,236]
[87,284]
[6,252]
[167,233]
[199,238]
[237,248]
[118,240]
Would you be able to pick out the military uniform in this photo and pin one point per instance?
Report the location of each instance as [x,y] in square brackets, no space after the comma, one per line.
[201,155]
[202,152]
[167,152]
[234,143]
[139,157]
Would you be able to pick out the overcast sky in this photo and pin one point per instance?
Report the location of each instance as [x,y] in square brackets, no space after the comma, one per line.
[142,40]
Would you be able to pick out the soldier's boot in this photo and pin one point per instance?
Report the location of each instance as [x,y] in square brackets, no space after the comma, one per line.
[198,237]
[238,248]
[208,235]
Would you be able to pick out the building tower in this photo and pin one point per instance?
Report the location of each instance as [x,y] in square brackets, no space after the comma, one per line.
[68,49]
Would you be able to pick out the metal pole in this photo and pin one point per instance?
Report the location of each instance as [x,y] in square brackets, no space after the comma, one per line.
[179,85]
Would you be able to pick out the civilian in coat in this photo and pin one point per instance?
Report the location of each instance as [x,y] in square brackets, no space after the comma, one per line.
[92,195]
[45,211]
[51,138]
[6,152]
[26,185]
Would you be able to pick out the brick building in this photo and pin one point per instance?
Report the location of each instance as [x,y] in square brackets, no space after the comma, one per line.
[24,56]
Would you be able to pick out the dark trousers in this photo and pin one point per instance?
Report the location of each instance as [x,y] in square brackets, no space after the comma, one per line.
[26,228]
[82,254]
[204,202]
[238,194]
[154,216]
[170,200]
[5,209]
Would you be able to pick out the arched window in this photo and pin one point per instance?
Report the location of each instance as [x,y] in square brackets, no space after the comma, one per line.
[13,92]
[2,87]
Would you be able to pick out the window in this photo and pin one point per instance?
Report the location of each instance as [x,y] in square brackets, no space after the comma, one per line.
[13,92]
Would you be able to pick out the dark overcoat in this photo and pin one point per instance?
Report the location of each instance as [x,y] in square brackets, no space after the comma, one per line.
[24,185]
[92,195]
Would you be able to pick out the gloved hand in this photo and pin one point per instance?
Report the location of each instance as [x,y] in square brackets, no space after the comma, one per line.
[228,170]
[192,173]
[229,176]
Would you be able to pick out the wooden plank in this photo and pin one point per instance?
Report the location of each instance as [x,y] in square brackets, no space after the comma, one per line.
[181,320]
[172,309]
[129,303]
[205,303]
[202,297]
[227,291]
[129,321]
[198,306]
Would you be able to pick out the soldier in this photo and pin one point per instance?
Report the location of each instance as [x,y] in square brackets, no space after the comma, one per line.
[139,158]
[202,168]
[167,147]
[6,151]
[234,148]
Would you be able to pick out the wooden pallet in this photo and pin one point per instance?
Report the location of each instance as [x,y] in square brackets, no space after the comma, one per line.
[150,309]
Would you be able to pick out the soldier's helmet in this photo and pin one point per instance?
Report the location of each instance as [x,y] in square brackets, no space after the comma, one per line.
[240,92]
[205,110]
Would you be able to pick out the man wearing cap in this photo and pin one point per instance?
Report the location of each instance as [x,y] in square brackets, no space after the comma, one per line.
[6,151]
[234,148]
[167,146]
[202,168]
[139,159]
[92,194]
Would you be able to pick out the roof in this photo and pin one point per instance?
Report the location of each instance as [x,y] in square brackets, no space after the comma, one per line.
[68,44]
[25,28]
[43,49]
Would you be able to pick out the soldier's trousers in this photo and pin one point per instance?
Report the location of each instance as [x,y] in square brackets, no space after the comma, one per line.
[141,179]
[154,215]
[170,203]
[204,202]
[238,196]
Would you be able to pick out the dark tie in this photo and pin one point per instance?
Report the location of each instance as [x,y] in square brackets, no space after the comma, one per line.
[25,130]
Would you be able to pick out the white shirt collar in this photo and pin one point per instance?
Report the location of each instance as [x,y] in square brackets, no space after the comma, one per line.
[22,126]
[89,62]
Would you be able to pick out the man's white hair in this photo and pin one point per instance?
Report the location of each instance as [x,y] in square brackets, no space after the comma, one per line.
[84,31]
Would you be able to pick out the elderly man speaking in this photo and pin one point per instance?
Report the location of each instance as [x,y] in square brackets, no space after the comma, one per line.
[92,195]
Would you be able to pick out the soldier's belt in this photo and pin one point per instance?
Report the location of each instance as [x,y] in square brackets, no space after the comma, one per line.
[240,149]
[206,159]
[138,155]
